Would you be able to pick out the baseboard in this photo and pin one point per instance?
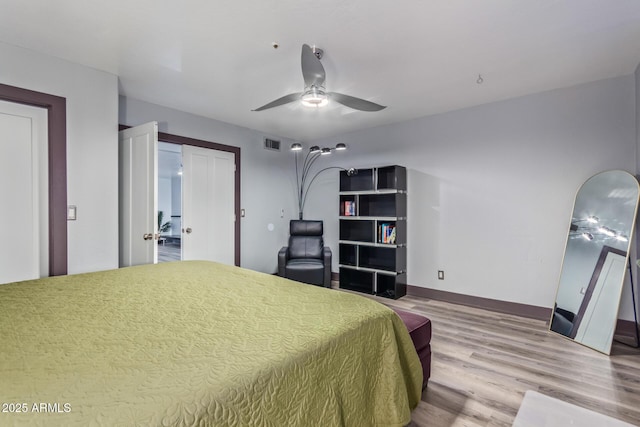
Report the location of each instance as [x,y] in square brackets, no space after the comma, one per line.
[626,328]
[523,310]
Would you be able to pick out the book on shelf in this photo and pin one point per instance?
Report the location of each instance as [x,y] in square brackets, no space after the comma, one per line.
[387,233]
[349,208]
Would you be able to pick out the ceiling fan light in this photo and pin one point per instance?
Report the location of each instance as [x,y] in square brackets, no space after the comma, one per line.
[314,102]
[314,97]
[314,149]
[341,146]
[325,150]
[296,146]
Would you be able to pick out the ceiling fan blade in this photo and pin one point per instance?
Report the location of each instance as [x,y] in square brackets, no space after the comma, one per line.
[312,69]
[280,101]
[355,103]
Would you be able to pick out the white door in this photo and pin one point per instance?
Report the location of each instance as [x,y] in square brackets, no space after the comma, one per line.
[24,253]
[208,183]
[138,157]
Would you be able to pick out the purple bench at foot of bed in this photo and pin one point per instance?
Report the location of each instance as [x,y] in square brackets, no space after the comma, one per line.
[420,331]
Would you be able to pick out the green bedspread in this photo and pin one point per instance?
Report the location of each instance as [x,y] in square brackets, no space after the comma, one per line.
[199,343]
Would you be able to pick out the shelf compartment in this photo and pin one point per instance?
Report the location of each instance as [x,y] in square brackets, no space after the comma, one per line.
[383,205]
[400,235]
[356,280]
[357,230]
[349,205]
[386,230]
[391,177]
[348,254]
[391,286]
[360,182]
[392,259]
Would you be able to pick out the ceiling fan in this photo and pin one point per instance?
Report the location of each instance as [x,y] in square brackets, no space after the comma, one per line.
[314,94]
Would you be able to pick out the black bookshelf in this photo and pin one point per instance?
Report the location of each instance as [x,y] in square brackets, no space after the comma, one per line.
[373,231]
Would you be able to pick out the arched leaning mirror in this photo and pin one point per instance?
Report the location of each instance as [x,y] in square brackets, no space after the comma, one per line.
[595,259]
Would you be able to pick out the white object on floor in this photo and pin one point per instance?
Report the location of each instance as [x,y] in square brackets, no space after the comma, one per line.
[538,410]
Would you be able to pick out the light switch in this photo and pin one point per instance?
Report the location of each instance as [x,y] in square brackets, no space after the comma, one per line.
[72,213]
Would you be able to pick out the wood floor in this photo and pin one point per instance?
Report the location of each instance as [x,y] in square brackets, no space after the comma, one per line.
[168,252]
[483,363]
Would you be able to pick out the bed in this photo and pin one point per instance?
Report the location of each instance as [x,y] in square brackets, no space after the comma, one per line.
[199,343]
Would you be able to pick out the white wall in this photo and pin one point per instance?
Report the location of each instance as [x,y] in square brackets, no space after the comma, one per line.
[491,188]
[92,148]
[267,178]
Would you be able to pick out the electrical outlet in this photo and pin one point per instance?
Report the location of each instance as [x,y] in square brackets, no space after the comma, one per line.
[440,275]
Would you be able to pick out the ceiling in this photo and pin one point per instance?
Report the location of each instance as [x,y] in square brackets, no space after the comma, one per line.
[418,57]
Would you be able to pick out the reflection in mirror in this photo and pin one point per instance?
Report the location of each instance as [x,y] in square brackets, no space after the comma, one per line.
[595,260]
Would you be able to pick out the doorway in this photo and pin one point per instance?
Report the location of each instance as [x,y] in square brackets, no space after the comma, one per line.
[195,204]
[169,202]
[57,165]
[233,226]
[24,185]
[208,218]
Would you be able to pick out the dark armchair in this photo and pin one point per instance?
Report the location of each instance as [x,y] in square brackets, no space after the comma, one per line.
[306,259]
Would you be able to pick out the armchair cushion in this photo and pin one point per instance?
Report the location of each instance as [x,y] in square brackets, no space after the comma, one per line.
[303,227]
[307,270]
[305,247]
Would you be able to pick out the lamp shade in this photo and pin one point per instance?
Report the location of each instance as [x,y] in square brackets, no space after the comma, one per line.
[296,146]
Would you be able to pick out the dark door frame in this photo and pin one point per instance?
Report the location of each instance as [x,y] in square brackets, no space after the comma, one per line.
[184,140]
[57,147]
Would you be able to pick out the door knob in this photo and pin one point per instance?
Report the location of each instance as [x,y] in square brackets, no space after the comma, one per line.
[147,236]
[188,230]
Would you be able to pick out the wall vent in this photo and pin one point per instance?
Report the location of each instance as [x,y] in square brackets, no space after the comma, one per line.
[271,144]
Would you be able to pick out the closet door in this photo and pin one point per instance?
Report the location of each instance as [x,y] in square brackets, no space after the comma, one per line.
[24,253]
[138,157]
[208,191]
